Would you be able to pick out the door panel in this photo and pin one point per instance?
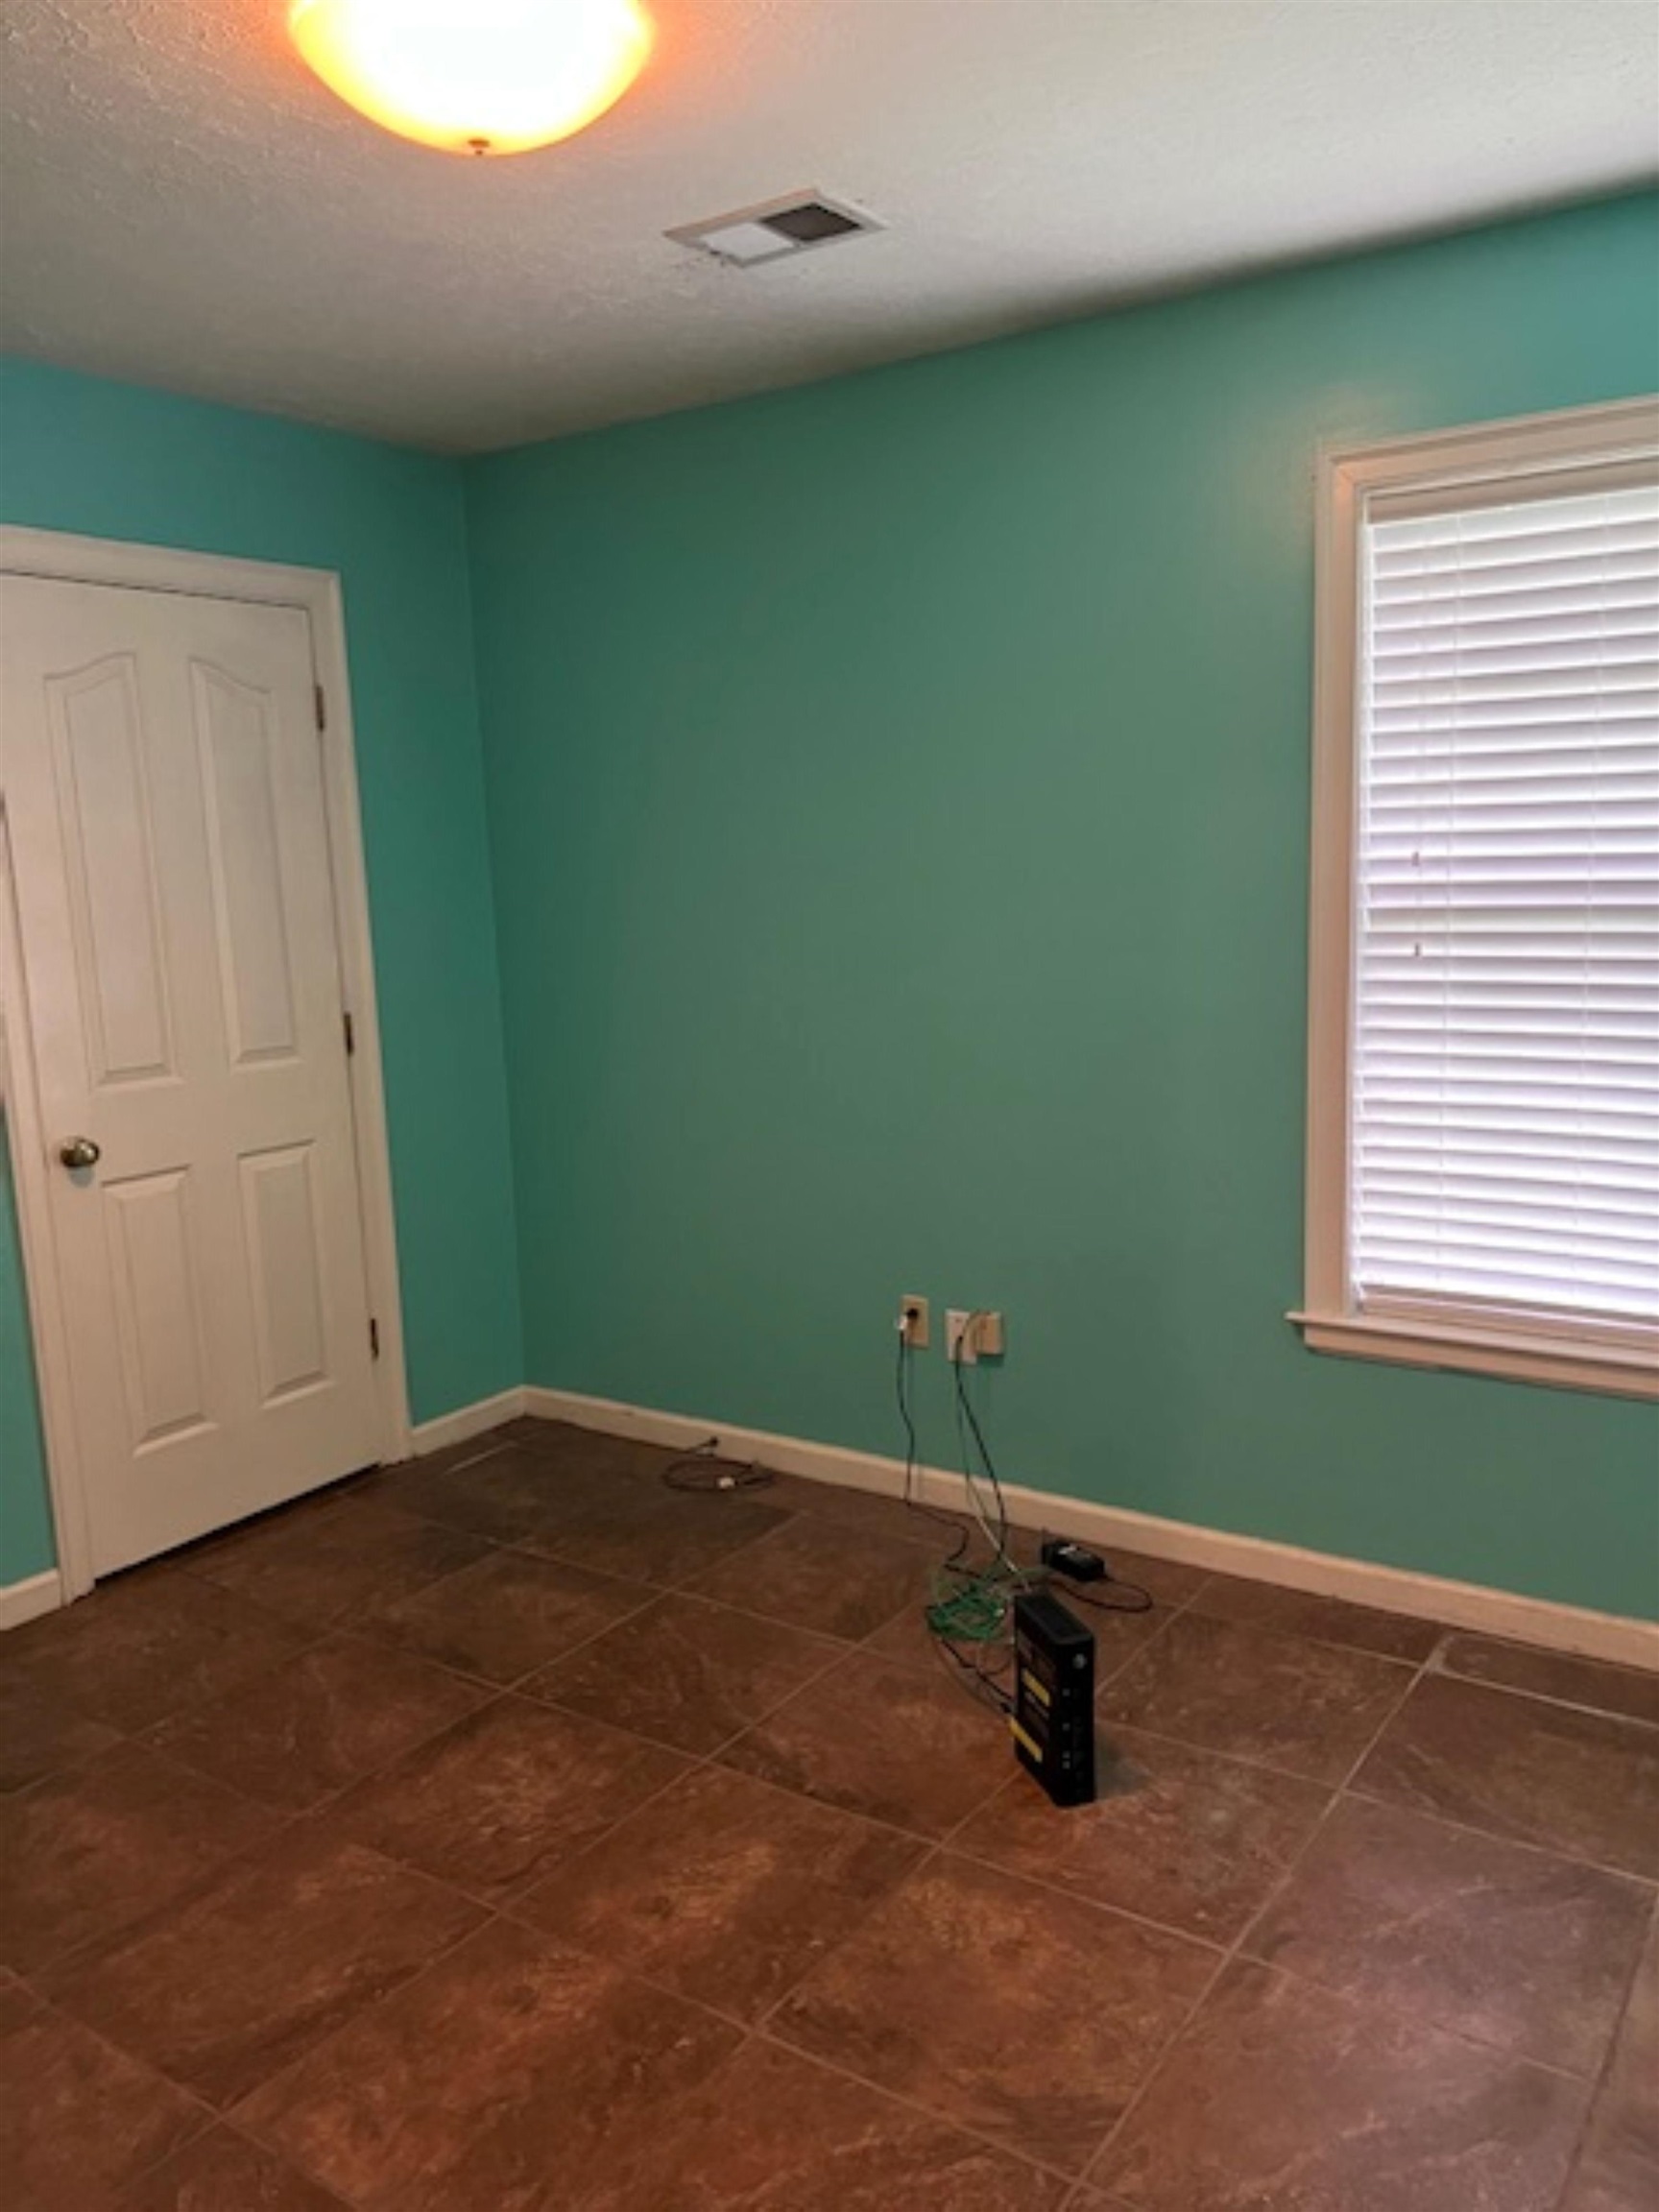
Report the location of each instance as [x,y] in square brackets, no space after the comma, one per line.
[155,1278]
[96,724]
[162,777]
[233,728]
[285,1258]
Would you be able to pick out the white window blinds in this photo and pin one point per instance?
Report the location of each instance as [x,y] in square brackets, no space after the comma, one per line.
[1504,1150]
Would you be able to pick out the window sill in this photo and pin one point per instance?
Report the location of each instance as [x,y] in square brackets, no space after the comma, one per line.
[1565,1362]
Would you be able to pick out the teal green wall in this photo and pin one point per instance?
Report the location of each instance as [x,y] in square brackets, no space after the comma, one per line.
[25,1523]
[79,454]
[898,795]
[899,792]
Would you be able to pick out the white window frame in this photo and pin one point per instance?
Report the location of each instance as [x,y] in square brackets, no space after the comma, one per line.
[1622,435]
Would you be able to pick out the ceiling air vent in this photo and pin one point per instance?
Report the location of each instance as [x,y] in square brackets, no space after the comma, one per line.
[776,228]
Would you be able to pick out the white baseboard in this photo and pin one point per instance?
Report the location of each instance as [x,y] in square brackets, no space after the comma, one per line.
[1390,1589]
[27,1601]
[467,1422]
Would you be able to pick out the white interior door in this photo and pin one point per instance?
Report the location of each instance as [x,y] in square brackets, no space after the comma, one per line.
[162,772]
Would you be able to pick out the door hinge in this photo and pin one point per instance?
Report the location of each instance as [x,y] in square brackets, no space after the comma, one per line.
[350,1027]
[373,1338]
[316,693]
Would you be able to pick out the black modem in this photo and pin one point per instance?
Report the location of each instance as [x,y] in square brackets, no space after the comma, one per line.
[1053,1717]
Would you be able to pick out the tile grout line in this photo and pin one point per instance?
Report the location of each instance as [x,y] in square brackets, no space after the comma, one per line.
[363,1631]
[943,1846]
[1244,1759]
[953,1847]
[78,1955]
[521,1885]
[494,1690]
[128,1736]
[310,1638]
[208,2116]
[1597,2082]
[1075,1897]
[939,1847]
[763,2028]
[287,1821]
[712,1762]
[1232,1951]
[232,2114]
[1344,1792]
[505,1909]
[1351,1788]
[514,1685]
[841,1646]
[931,1846]
[522,1543]
[838,1651]
[288,1826]
[1356,1795]
[761,2035]
[1543,1697]
[244,2134]
[499,1443]
[935,1847]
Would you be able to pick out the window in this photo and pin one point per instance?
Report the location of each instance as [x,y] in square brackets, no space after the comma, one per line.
[1483,1102]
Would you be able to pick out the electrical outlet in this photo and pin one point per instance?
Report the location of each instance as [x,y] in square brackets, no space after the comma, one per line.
[914,1323]
[971,1336]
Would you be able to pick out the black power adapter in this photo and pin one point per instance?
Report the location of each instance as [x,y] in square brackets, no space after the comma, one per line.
[1075,1561]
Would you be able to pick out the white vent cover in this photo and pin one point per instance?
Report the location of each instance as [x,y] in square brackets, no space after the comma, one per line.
[776,229]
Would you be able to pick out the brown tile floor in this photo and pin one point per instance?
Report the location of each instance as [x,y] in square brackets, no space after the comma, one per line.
[512,1832]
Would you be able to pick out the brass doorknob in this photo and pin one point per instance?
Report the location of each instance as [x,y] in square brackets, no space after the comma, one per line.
[80,1152]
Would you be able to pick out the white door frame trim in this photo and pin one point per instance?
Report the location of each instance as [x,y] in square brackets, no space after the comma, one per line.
[68,559]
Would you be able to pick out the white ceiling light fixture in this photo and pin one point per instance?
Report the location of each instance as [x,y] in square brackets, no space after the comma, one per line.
[776,229]
[475,75]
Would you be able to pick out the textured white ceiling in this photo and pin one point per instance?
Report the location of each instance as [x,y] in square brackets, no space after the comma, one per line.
[186,207]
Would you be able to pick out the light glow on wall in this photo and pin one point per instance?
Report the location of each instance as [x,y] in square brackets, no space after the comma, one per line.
[476,76]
